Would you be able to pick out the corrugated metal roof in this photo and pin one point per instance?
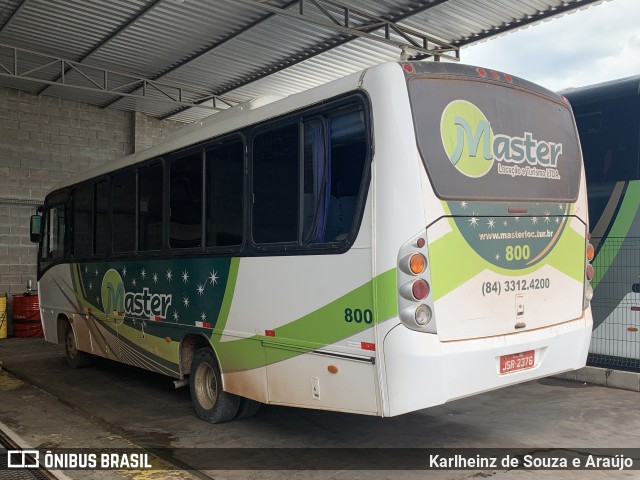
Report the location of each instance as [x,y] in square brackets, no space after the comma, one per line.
[230,47]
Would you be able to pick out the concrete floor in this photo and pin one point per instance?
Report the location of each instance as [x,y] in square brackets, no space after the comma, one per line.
[109,405]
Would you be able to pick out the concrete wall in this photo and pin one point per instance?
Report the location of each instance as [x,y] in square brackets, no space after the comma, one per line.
[44,140]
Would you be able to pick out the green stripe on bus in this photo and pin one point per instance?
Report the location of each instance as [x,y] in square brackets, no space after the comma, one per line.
[449,278]
[619,230]
[229,291]
[320,328]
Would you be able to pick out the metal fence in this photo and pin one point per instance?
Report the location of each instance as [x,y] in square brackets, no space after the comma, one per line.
[615,341]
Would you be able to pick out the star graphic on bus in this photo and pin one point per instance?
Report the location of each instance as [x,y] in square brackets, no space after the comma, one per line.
[560,206]
[185,276]
[169,275]
[86,269]
[497,256]
[463,204]
[200,289]
[557,220]
[534,220]
[185,302]
[176,317]
[90,286]
[491,223]
[124,271]
[546,217]
[155,278]
[505,223]
[133,282]
[213,277]
[203,316]
[143,273]
[473,222]
[96,272]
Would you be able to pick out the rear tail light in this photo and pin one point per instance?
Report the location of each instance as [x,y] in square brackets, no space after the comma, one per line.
[420,289]
[417,263]
[422,315]
[588,292]
[589,272]
[415,302]
[590,254]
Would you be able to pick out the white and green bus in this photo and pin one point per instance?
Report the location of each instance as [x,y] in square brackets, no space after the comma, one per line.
[393,240]
[608,119]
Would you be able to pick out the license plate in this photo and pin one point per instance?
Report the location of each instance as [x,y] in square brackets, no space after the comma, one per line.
[517,362]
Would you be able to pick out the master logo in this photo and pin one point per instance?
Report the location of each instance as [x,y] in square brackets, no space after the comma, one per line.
[463,120]
[144,304]
[112,292]
[472,146]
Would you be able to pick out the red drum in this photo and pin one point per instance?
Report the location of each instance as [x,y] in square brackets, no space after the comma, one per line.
[26,316]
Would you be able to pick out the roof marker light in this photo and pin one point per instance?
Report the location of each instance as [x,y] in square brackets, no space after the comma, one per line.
[495,75]
[481,72]
[407,68]
[508,78]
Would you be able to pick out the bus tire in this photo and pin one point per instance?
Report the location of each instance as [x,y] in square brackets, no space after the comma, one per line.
[211,403]
[248,408]
[75,358]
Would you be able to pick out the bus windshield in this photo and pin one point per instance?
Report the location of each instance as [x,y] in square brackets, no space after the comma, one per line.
[492,140]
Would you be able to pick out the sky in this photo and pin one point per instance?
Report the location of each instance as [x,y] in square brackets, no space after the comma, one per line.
[588,46]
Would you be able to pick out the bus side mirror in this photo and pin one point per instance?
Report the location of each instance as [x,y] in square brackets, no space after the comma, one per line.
[35,228]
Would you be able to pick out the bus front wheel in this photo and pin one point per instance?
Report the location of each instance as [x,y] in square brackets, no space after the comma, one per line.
[211,403]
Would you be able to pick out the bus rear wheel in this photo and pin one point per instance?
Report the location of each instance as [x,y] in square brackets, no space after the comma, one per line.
[75,358]
[211,403]
[248,408]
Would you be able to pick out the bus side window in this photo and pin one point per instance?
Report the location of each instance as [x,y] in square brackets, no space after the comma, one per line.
[54,234]
[123,211]
[276,185]
[83,221]
[150,185]
[101,218]
[185,194]
[348,154]
[225,195]
[317,182]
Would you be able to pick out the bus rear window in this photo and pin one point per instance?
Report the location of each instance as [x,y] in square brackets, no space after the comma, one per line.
[488,141]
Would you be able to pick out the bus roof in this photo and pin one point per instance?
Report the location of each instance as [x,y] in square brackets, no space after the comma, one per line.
[621,88]
[264,108]
[232,119]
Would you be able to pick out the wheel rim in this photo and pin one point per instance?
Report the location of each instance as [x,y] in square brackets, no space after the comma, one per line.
[206,388]
[71,345]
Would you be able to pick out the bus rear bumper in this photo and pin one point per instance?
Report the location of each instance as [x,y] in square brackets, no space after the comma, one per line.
[423,372]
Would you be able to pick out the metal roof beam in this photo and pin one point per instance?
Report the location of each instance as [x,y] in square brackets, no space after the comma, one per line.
[100,80]
[353,21]
[206,50]
[341,39]
[108,38]
[13,15]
